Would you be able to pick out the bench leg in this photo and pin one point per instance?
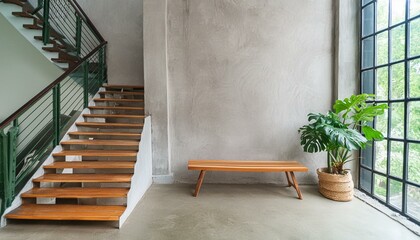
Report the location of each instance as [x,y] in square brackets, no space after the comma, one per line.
[199,182]
[288,179]
[296,185]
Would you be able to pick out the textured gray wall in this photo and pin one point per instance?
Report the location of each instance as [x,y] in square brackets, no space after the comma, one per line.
[242,76]
[121,24]
[156,81]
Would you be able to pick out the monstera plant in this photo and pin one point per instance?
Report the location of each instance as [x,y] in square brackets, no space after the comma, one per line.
[342,131]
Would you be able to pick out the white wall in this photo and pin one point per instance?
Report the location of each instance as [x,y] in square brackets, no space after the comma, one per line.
[241,78]
[24,71]
[121,24]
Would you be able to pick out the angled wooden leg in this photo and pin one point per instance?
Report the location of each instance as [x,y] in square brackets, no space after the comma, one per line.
[296,186]
[199,182]
[288,179]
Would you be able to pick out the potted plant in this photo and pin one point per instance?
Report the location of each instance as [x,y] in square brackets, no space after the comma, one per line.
[337,133]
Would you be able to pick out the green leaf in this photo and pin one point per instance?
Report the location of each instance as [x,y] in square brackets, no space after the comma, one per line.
[372,134]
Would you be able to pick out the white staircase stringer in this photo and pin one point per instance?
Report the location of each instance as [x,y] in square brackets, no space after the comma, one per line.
[142,177]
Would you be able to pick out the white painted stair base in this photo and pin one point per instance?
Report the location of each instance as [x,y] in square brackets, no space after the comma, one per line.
[142,177]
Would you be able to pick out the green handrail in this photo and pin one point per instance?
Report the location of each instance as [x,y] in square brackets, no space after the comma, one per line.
[29,135]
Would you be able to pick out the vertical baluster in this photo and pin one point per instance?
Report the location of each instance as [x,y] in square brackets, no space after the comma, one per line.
[46,23]
[79,23]
[102,65]
[86,83]
[56,113]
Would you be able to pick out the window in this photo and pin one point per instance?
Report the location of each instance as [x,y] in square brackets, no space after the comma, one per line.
[390,69]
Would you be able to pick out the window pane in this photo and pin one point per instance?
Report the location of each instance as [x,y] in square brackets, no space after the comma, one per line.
[382,48]
[414,163]
[381,156]
[365,1]
[415,37]
[380,186]
[413,201]
[382,83]
[366,180]
[382,15]
[395,193]
[397,159]
[415,78]
[367,47]
[367,82]
[398,11]
[414,120]
[382,123]
[414,7]
[397,120]
[367,156]
[397,81]
[367,19]
[398,43]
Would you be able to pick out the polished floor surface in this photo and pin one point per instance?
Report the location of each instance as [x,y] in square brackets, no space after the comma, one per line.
[228,212]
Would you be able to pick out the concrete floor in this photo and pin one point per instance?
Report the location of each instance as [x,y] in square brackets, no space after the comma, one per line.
[228,212]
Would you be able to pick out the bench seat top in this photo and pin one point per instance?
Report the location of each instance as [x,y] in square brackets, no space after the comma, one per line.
[246,166]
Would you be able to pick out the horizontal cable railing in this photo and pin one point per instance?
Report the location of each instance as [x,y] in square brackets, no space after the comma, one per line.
[29,135]
[64,21]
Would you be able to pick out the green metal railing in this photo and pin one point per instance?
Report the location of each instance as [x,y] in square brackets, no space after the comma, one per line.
[29,135]
[65,21]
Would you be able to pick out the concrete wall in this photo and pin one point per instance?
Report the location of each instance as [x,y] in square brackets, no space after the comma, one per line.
[241,78]
[24,71]
[121,24]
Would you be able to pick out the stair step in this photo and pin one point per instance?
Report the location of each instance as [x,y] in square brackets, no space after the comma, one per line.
[51,49]
[76,193]
[121,93]
[22,14]
[32,27]
[113,116]
[118,100]
[109,125]
[116,108]
[110,134]
[96,153]
[85,177]
[60,60]
[123,143]
[117,86]
[16,2]
[67,212]
[91,165]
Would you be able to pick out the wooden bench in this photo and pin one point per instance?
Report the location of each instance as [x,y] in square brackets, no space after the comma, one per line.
[289,167]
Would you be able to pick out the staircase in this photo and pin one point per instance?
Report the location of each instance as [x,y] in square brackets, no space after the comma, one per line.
[91,175]
[67,40]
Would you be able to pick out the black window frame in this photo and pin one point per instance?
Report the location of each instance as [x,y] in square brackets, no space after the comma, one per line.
[406,101]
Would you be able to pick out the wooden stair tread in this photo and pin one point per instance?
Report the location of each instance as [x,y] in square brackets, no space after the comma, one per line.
[115,108]
[92,164]
[96,153]
[22,14]
[109,125]
[113,116]
[113,134]
[122,93]
[123,86]
[32,27]
[76,193]
[67,212]
[86,177]
[101,142]
[118,100]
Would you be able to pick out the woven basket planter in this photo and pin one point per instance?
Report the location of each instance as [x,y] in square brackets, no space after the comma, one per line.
[335,186]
